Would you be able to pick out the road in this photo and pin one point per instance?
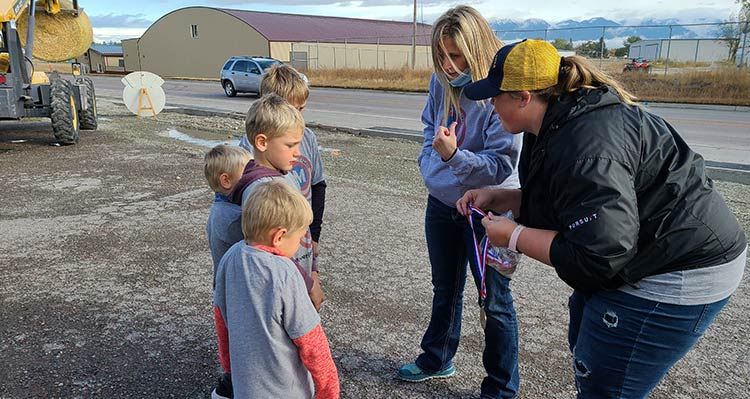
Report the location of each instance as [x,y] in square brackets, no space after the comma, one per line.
[720,135]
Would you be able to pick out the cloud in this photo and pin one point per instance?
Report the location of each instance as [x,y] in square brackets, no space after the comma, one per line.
[120,21]
[116,34]
[684,15]
[611,9]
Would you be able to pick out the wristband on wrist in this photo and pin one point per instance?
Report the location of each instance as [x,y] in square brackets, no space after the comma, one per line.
[513,242]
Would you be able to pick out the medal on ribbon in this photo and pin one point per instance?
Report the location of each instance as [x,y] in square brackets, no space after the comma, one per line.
[503,260]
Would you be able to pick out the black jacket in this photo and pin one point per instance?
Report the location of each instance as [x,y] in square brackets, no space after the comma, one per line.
[628,196]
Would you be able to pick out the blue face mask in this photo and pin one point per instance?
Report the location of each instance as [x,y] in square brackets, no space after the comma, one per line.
[462,80]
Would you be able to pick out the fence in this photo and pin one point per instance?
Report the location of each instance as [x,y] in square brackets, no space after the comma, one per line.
[362,53]
[696,43]
[724,42]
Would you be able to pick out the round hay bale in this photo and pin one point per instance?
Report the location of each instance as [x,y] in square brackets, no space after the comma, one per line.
[57,37]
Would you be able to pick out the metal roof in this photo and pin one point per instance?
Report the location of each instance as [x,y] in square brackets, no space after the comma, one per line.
[278,27]
[107,49]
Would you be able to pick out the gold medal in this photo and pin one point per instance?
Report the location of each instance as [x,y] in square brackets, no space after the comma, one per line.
[482,318]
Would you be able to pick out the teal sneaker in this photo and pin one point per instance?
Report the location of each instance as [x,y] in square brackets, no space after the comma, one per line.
[412,373]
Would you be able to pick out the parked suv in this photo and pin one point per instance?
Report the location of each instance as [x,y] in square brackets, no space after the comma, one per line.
[242,74]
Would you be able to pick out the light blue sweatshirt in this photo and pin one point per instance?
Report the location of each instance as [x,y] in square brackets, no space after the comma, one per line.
[224,227]
[487,155]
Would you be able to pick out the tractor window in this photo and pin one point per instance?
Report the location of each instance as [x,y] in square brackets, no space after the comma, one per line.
[4,62]
[4,56]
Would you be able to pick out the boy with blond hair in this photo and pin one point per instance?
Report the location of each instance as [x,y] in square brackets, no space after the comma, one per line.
[275,130]
[223,166]
[278,347]
[286,82]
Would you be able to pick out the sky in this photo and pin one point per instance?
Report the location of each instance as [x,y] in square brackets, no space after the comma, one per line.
[115,20]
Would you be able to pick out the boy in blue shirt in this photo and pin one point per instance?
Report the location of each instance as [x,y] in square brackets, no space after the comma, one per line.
[223,167]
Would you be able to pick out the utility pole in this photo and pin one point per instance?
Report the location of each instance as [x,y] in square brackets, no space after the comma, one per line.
[669,47]
[414,38]
[744,29]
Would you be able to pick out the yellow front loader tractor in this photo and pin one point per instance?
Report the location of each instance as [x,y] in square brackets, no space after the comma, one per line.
[53,31]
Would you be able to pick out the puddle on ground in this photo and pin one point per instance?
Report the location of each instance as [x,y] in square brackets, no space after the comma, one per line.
[332,151]
[201,137]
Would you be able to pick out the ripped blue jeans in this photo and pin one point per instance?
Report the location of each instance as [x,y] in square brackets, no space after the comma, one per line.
[623,345]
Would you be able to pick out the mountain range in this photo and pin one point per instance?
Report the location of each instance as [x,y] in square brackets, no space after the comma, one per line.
[591,29]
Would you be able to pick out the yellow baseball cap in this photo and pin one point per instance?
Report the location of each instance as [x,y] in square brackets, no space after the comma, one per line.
[526,65]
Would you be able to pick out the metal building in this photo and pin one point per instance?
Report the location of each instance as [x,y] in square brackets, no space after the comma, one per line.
[103,58]
[196,41]
[687,50]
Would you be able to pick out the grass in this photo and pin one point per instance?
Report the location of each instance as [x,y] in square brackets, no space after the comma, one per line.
[692,83]
[682,64]
[728,86]
[403,79]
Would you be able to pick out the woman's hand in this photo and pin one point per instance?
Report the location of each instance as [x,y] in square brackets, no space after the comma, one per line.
[498,229]
[445,143]
[499,200]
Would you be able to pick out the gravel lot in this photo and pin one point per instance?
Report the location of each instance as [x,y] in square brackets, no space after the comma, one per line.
[105,274]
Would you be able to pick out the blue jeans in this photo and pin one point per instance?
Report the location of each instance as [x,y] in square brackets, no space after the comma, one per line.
[450,245]
[623,345]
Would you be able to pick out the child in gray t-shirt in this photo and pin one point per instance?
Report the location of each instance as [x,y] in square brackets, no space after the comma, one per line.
[278,348]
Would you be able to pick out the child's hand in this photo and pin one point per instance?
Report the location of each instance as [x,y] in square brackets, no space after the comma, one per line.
[445,142]
[316,293]
[316,251]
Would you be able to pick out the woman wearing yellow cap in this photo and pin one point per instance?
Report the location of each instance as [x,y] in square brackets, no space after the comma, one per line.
[614,199]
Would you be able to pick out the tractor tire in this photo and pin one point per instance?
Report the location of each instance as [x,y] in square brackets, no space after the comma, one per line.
[88,115]
[64,114]
[229,89]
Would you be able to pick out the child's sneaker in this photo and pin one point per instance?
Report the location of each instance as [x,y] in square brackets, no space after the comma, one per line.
[412,373]
[223,388]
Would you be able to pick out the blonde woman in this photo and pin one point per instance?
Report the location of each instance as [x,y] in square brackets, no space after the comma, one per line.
[465,147]
[621,207]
